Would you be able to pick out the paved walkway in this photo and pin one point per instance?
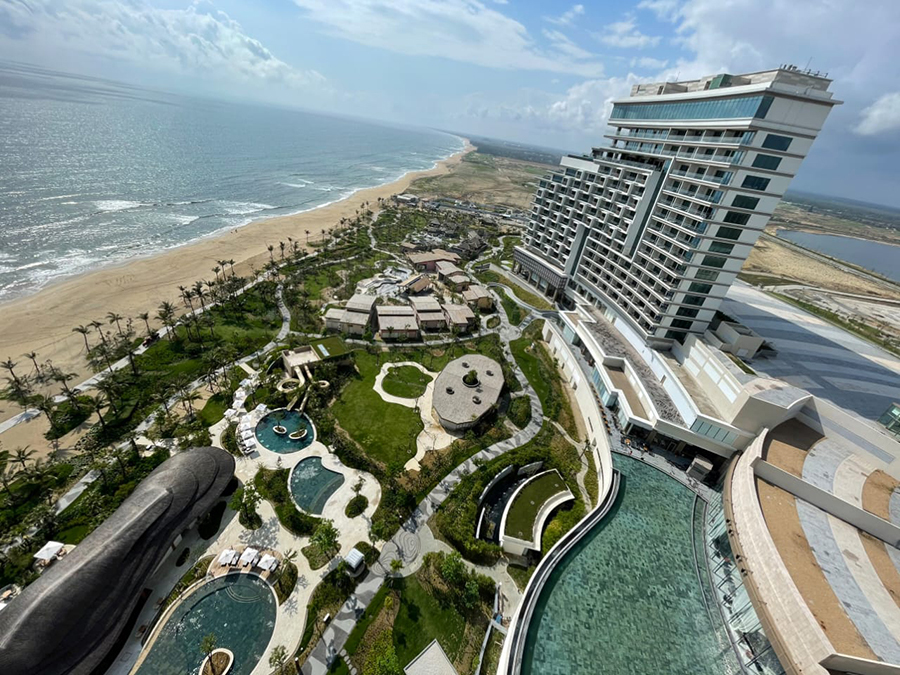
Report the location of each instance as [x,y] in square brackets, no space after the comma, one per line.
[414,538]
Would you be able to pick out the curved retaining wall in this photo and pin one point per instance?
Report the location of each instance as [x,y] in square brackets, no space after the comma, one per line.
[514,645]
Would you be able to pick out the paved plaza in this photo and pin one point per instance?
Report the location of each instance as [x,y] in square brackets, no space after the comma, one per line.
[815,355]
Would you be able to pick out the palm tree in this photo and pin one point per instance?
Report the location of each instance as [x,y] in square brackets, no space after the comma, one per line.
[282,245]
[22,455]
[10,365]
[200,293]
[187,400]
[145,317]
[326,536]
[110,389]
[271,248]
[166,315]
[62,378]
[208,646]
[5,471]
[115,318]
[45,405]
[184,295]
[216,271]
[83,330]
[33,356]
[97,405]
[307,237]
[99,326]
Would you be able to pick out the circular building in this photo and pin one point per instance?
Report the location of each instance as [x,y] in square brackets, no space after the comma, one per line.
[465,390]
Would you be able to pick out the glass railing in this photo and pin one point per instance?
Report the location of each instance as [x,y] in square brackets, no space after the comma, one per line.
[723,180]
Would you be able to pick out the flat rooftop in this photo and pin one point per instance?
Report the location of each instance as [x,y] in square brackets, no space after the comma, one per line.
[620,381]
[613,344]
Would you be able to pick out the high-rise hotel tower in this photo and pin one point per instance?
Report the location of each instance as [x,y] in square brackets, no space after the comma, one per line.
[656,225]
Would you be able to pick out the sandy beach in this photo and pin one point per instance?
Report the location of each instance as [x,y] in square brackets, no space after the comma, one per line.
[43,322]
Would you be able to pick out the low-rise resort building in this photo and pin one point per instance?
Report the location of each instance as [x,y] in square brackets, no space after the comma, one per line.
[466,390]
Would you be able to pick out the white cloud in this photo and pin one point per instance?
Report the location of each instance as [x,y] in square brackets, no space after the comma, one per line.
[567,17]
[664,9]
[461,30]
[882,115]
[198,40]
[624,34]
[648,62]
[564,45]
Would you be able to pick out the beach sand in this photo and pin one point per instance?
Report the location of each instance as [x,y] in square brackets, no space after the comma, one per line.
[43,322]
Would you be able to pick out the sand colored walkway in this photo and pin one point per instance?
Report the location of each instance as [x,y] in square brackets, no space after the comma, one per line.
[433,436]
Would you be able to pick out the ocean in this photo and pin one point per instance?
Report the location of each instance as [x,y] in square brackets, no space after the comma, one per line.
[872,255]
[94,172]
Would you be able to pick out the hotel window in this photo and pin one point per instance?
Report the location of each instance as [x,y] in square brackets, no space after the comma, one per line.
[736,218]
[728,233]
[745,202]
[684,311]
[681,323]
[776,142]
[721,247]
[695,300]
[714,261]
[755,183]
[707,275]
[700,288]
[767,162]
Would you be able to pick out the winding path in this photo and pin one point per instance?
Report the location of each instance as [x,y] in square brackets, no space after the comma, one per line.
[414,539]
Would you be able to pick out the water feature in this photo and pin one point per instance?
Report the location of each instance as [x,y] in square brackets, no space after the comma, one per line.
[312,484]
[281,442]
[238,608]
[872,255]
[627,599]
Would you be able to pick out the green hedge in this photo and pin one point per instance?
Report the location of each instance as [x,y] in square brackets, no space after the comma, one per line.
[273,485]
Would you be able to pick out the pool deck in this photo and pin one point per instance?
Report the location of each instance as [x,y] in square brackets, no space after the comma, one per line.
[271,536]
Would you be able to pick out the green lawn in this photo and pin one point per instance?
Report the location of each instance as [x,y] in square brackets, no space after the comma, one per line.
[386,431]
[329,347]
[406,382]
[521,515]
[514,312]
[421,619]
[214,410]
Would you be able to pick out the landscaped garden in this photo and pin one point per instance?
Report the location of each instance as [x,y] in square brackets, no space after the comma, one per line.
[528,502]
[444,600]
[405,382]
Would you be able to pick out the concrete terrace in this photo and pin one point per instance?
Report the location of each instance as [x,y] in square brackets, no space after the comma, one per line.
[615,345]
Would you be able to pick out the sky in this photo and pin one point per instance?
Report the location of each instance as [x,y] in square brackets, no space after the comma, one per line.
[537,72]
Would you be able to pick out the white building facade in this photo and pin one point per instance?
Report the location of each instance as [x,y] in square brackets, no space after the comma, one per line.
[657,225]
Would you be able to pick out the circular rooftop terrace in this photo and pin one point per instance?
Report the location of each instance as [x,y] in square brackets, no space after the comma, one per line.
[460,399]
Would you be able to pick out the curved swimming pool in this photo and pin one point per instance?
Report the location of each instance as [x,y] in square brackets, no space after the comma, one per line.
[238,608]
[292,421]
[626,598]
[311,484]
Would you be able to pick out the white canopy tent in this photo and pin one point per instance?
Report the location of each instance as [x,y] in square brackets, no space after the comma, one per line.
[249,557]
[49,551]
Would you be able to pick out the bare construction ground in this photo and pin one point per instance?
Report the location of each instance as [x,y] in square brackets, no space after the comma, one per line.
[486,179]
[780,511]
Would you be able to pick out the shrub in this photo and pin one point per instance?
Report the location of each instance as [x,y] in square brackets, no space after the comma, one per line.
[356,506]
[520,411]
[273,486]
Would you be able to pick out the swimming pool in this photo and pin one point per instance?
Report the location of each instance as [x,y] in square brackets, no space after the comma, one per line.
[626,598]
[312,484]
[238,608]
[282,443]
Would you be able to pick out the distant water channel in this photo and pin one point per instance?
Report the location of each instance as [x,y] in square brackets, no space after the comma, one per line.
[872,255]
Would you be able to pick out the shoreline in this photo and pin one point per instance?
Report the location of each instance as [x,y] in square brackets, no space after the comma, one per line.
[43,321]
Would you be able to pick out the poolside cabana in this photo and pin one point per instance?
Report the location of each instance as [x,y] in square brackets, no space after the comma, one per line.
[249,557]
[355,562]
[49,552]
[227,557]
[268,562]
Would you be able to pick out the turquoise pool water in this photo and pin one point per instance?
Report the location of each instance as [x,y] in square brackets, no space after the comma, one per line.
[290,420]
[238,608]
[312,484]
[627,599]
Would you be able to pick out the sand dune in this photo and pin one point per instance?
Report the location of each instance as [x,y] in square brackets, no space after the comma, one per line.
[43,322]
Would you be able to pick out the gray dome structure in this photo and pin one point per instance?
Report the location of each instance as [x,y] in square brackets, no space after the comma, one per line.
[458,405]
[67,621]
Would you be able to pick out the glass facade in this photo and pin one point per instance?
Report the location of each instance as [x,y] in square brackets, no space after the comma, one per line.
[755,183]
[748,106]
[745,202]
[891,419]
